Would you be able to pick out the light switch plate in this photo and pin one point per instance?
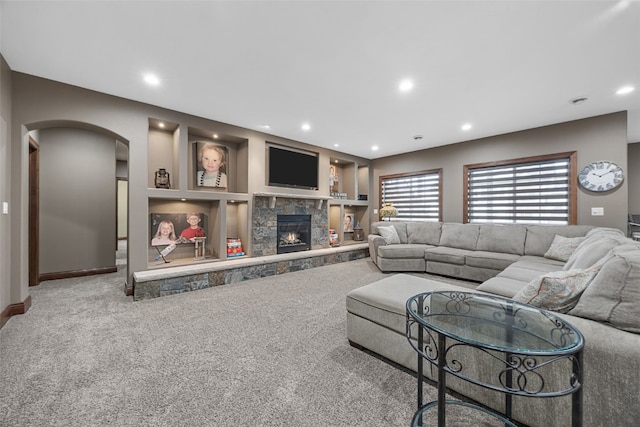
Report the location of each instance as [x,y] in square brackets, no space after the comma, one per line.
[375,211]
[5,208]
[597,211]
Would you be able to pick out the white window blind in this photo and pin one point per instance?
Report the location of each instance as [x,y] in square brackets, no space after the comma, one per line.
[521,193]
[416,196]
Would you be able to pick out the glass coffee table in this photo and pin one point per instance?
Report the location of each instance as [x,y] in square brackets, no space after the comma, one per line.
[495,343]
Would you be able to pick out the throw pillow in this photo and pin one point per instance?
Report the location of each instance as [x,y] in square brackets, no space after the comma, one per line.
[562,247]
[614,295]
[390,234]
[557,291]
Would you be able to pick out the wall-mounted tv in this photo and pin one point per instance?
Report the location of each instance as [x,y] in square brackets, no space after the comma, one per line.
[289,168]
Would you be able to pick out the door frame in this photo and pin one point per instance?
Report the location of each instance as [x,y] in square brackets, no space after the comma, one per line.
[34,212]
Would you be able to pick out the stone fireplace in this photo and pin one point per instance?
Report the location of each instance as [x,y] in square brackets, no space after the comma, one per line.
[266,235]
[294,233]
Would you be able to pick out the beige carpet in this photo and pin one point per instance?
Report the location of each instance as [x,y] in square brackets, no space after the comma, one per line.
[265,352]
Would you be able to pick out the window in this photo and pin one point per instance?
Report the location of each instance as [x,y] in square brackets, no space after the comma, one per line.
[535,190]
[417,196]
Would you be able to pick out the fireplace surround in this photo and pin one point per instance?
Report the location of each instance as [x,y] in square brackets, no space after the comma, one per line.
[265,214]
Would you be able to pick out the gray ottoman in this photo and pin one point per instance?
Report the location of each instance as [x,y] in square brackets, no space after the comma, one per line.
[376,316]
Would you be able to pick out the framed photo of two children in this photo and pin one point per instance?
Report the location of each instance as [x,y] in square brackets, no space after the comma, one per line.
[211,164]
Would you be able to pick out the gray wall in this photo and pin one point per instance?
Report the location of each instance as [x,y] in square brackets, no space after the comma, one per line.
[597,138]
[6,255]
[633,178]
[40,104]
[77,200]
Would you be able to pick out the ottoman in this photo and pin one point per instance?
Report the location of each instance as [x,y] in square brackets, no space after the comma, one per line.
[376,316]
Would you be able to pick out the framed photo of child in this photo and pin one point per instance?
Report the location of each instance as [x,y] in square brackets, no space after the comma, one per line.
[177,228]
[348,222]
[211,164]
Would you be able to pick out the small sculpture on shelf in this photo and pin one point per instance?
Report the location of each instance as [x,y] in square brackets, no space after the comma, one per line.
[162,179]
[199,247]
[358,233]
[333,238]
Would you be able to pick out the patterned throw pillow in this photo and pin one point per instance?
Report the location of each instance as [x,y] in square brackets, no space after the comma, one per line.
[557,291]
[562,247]
[390,234]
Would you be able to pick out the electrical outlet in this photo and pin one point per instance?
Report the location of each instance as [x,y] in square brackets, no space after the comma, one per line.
[597,211]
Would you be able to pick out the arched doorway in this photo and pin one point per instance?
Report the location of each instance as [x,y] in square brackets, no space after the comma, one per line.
[73,200]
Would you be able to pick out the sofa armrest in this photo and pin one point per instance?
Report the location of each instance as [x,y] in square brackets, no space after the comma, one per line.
[375,241]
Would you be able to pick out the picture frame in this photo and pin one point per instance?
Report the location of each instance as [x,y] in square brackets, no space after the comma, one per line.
[348,223]
[211,165]
[176,228]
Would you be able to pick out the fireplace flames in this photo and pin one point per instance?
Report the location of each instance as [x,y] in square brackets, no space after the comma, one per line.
[290,239]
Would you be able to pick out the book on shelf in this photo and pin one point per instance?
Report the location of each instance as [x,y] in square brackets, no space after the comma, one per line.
[234,247]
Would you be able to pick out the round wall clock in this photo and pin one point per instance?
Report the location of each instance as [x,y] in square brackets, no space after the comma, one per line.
[601,176]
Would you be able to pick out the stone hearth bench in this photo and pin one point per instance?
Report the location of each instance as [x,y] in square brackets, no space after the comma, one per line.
[376,321]
[174,280]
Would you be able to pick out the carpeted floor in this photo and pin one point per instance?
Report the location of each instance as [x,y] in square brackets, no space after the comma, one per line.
[265,352]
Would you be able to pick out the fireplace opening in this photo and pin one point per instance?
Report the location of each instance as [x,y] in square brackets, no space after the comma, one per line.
[294,233]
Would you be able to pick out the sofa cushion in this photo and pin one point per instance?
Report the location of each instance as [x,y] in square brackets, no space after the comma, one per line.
[526,272]
[461,236]
[494,260]
[562,247]
[389,234]
[539,237]
[592,250]
[502,238]
[557,291]
[424,232]
[537,260]
[503,286]
[402,251]
[614,294]
[401,228]
[446,255]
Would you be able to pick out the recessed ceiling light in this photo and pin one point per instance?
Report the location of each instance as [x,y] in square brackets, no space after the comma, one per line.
[374,148]
[625,90]
[151,79]
[405,85]
[215,136]
[265,126]
[183,200]
[161,125]
[466,126]
[306,126]
[335,161]
[336,145]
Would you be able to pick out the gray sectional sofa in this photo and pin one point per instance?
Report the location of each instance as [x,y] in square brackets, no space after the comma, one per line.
[600,266]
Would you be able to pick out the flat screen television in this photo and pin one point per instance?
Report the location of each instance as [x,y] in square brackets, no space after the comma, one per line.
[288,168]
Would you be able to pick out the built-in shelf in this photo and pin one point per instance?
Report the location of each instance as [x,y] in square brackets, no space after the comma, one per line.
[347,202]
[229,210]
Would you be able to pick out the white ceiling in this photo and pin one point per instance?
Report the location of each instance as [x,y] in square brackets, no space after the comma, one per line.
[502,66]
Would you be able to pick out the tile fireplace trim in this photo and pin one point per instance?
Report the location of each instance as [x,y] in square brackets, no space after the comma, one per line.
[274,196]
[175,280]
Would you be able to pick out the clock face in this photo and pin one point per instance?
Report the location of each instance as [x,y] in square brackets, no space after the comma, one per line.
[601,176]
